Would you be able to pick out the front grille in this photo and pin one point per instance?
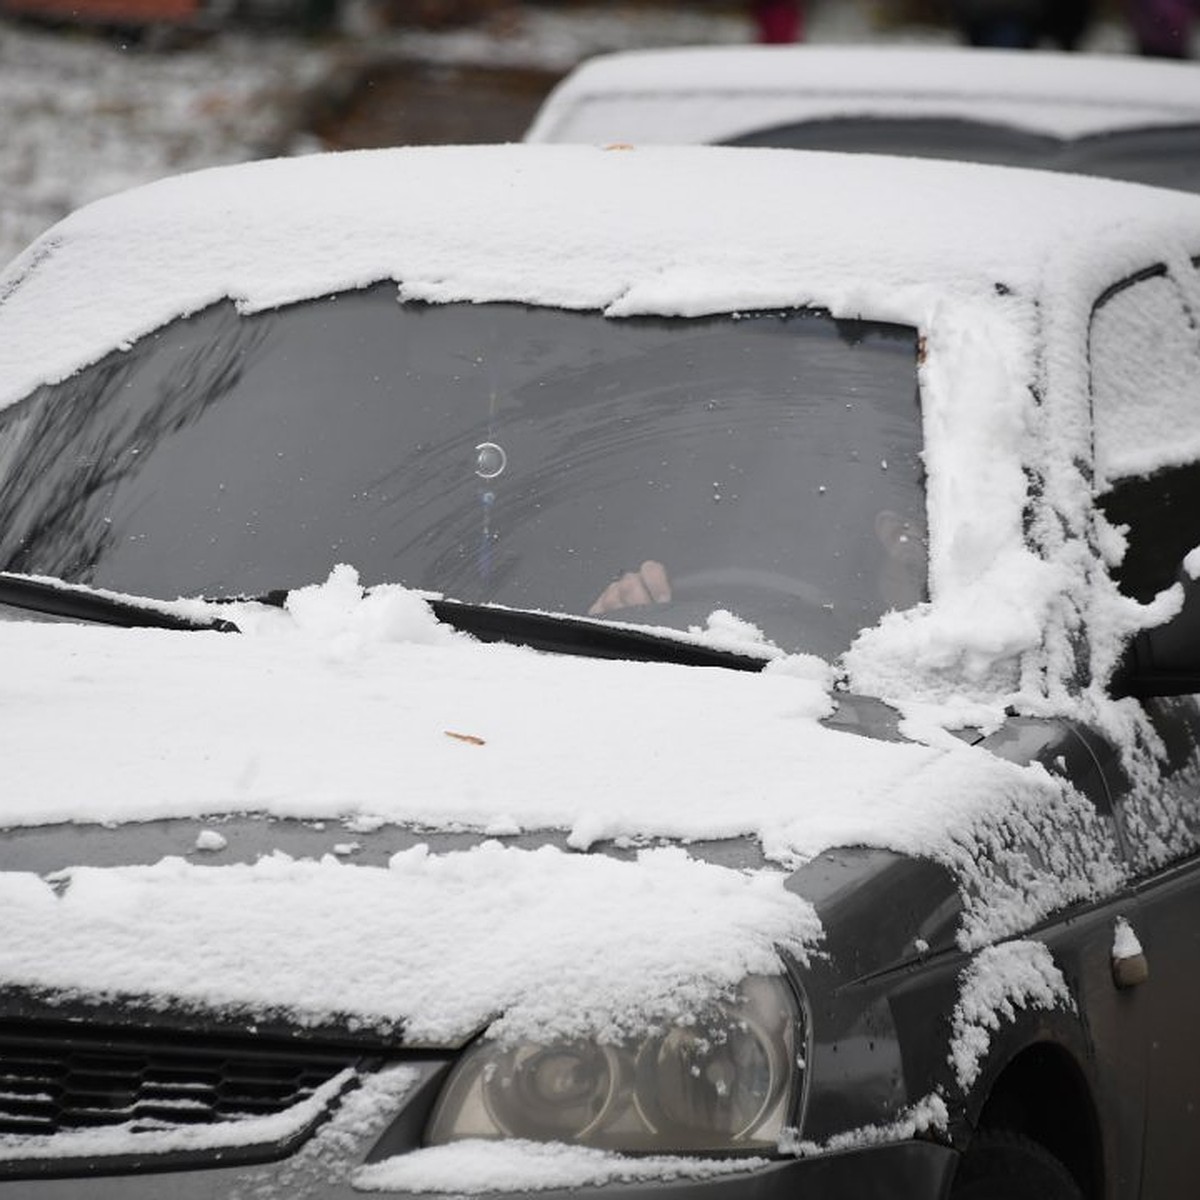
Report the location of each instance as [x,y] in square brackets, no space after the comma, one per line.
[73,1080]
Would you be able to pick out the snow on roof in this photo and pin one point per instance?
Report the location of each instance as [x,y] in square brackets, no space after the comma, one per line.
[669,231]
[707,94]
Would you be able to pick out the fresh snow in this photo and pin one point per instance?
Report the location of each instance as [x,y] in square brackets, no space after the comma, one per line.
[363,710]
[713,93]
[471,1167]
[997,982]
[928,1113]
[621,232]
[342,707]
[1125,942]
[577,227]
[433,946]
[150,1138]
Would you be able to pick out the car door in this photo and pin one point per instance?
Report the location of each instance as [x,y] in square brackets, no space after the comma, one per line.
[1145,376]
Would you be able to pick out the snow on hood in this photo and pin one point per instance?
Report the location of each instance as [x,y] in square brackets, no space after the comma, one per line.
[350,707]
[708,94]
[437,944]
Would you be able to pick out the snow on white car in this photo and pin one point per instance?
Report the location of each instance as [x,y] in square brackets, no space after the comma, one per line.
[1114,116]
[535,668]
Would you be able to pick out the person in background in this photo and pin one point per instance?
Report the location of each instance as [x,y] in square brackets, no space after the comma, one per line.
[779,20]
[1163,28]
[1022,24]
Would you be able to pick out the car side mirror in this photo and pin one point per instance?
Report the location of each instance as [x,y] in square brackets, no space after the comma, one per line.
[1165,661]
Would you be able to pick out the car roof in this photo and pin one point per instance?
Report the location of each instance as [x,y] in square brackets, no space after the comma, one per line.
[714,93]
[664,230]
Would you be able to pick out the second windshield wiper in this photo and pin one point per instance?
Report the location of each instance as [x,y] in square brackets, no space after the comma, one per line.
[563,634]
[540,631]
[53,598]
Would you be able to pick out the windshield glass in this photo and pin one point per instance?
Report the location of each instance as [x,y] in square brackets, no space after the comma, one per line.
[1162,156]
[495,453]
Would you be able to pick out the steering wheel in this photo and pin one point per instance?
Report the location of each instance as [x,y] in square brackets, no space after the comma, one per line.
[701,585]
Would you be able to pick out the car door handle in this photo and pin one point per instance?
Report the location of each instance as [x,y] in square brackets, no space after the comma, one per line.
[1129,965]
[1130,971]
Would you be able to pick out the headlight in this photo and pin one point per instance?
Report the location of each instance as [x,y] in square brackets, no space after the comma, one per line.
[724,1081]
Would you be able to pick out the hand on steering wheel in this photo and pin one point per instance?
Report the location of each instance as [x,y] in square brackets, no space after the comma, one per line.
[649,584]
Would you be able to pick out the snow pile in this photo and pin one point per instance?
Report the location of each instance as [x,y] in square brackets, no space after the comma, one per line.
[346,621]
[443,732]
[724,630]
[1125,942]
[998,981]
[993,594]
[210,841]
[928,1113]
[422,727]
[439,945]
[473,1167]
[326,1159]
[569,226]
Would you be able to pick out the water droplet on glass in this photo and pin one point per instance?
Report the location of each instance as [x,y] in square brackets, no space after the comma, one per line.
[490,460]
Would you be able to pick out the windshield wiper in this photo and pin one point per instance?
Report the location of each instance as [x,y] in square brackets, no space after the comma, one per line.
[540,631]
[54,598]
[563,634]
[578,635]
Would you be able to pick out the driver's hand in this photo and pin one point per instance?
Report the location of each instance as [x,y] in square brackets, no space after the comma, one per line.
[647,585]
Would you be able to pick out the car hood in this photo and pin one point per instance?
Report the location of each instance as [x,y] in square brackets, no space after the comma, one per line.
[420,810]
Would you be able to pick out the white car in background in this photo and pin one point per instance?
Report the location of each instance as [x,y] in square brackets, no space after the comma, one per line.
[1119,117]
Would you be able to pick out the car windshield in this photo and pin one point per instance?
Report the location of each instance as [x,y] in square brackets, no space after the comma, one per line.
[1162,156]
[494,453]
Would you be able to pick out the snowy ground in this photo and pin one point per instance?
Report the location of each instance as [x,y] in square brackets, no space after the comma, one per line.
[84,116]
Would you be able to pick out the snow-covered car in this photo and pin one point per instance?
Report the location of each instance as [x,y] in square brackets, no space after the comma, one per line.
[1114,116]
[543,668]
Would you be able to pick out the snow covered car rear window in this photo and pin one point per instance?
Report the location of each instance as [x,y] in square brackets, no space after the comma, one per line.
[494,453]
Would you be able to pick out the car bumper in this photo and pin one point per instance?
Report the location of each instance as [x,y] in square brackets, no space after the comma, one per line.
[911,1170]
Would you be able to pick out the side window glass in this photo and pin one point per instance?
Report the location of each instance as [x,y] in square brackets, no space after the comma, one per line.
[1161,820]
[1145,379]
[1145,372]
[1162,515]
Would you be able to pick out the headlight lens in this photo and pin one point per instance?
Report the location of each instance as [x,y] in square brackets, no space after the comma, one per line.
[723,1081]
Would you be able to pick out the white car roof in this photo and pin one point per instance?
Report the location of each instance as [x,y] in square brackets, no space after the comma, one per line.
[709,94]
[672,231]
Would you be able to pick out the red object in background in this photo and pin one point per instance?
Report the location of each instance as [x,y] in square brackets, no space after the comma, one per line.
[779,20]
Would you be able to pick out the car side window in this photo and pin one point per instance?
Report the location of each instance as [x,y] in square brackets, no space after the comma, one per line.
[1144,351]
